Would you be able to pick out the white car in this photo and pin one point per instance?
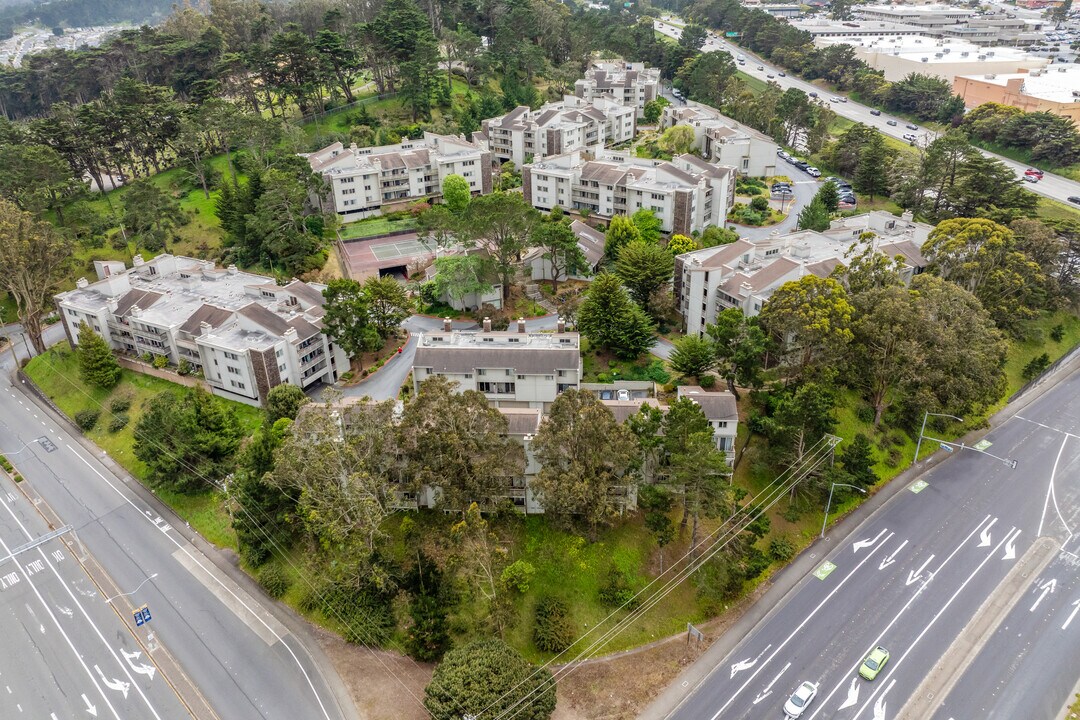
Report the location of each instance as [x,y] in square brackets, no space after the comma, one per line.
[813,171]
[800,700]
[910,137]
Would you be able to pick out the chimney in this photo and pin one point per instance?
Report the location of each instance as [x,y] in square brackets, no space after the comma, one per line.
[136,311]
[907,215]
[289,334]
[447,324]
[137,260]
[204,329]
[560,326]
[487,324]
[521,324]
[232,270]
[81,283]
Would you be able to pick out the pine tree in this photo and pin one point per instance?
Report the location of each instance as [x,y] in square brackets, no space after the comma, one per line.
[858,461]
[871,176]
[815,216]
[609,318]
[829,197]
[97,364]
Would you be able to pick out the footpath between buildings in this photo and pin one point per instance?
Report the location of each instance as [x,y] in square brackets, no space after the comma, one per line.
[785,581]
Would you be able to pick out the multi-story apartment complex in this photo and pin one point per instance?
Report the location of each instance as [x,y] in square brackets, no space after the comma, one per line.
[569,124]
[243,331]
[721,140]
[627,83]
[363,180]
[722,411]
[745,273]
[687,193]
[514,369]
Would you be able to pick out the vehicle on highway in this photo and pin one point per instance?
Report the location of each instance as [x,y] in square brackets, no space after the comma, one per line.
[740,57]
[1034,171]
[1074,199]
[873,663]
[800,699]
[834,99]
[760,67]
[770,76]
[911,126]
[812,94]
[875,113]
[1031,178]
[891,122]
[782,73]
[910,137]
[812,171]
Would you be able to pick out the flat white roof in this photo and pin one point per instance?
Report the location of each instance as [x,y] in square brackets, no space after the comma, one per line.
[1056,83]
[952,51]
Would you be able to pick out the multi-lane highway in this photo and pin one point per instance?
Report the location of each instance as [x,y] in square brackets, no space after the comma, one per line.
[67,653]
[970,577]
[228,655]
[1051,186]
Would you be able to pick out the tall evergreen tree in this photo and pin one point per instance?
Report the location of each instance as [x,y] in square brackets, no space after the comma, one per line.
[97,364]
[610,319]
[871,177]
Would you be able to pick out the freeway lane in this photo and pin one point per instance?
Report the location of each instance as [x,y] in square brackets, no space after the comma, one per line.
[913,575]
[66,653]
[1051,186]
[243,660]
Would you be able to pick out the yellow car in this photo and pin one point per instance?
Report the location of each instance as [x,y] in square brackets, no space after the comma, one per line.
[873,663]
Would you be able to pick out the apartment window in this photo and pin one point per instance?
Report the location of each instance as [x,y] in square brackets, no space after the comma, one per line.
[656,208]
[367,187]
[234,371]
[267,294]
[774,251]
[655,196]
[231,356]
[498,388]
[281,368]
[72,313]
[481,371]
[348,180]
[238,385]
[348,191]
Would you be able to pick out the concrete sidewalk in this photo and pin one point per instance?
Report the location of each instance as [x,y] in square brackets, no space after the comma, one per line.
[781,585]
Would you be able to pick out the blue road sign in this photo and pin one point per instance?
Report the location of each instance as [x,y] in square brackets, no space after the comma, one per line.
[142,616]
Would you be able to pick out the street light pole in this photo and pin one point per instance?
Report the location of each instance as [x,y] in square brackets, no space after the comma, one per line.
[832,487]
[922,430]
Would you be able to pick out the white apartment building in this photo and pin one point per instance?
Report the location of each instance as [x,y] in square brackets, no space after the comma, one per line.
[628,83]
[745,273]
[363,180]
[722,411]
[514,369]
[723,141]
[687,194]
[244,332]
[569,124]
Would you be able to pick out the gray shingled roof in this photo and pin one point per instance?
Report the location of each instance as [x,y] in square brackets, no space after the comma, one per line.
[267,319]
[717,405]
[305,292]
[206,313]
[142,298]
[524,361]
[522,421]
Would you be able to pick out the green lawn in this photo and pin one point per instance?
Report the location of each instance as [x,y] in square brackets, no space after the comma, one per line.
[57,374]
[374,226]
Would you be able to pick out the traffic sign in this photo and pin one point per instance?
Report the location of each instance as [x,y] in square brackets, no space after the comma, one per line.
[142,616]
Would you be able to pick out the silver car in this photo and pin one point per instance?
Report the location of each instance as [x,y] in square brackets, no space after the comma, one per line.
[800,699]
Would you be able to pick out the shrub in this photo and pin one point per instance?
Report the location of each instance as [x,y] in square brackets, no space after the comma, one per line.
[893,458]
[146,357]
[552,631]
[792,512]
[274,581]
[118,422]
[759,204]
[160,361]
[864,414]
[781,549]
[616,590]
[120,403]
[1057,334]
[1036,367]
[518,575]
[185,367]
[87,419]
[707,381]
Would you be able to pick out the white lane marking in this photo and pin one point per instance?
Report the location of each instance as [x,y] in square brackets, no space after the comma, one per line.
[890,559]
[1047,427]
[1050,485]
[879,706]
[1075,607]
[64,634]
[1047,588]
[140,668]
[768,688]
[867,543]
[86,615]
[896,618]
[165,532]
[896,665]
[852,694]
[914,577]
[64,610]
[92,709]
[801,625]
[114,684]
[984,536]
[1010,548]
[748,663]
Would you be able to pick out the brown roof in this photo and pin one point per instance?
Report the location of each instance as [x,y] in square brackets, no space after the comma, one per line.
[215,316]
[590,242]
[910,251]
[525,361]
[267,319]
[727,254]
[546,116]
[717,404]
[824,268]
[305,292]
[304,329]
[522,421]
[679,174]
[772,272]
[623,410]
[142,298]
[602,172]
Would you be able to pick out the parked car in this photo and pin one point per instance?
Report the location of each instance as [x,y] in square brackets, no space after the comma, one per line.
[792,160]
[800,700]
[812,171]
[802,164]
[891,122]
[873,663]
[781,153]
[1074,199]
[875,113]
[910,126]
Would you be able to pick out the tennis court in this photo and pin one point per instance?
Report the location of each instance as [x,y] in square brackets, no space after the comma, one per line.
[397,254]
[404,248]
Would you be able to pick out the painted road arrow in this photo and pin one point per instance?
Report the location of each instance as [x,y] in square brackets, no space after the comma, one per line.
[879,706]
[746,664]
[768,688]
[867,543]
[1010,548]
[1075,607]
[92,709]
[852,694]
[984,536]
[913,577]
[1047,588]
[140,668]
[114,684]
[886,562]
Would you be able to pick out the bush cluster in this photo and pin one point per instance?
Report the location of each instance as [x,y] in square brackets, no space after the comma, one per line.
[553,630]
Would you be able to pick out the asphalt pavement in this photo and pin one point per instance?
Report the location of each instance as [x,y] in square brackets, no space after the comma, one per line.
[67,653]
[1051,186]
[912,575]
[242,653]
